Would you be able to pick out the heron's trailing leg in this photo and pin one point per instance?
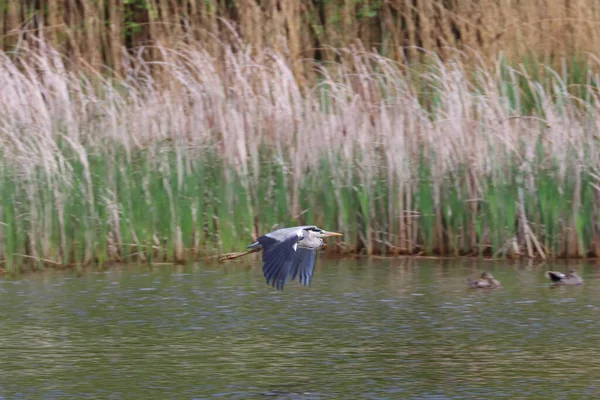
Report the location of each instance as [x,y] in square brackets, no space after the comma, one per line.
[233,256]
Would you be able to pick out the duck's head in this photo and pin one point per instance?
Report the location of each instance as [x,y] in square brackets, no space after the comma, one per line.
[487,275]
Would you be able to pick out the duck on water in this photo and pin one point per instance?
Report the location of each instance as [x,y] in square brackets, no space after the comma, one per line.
[570,278]
[486,281]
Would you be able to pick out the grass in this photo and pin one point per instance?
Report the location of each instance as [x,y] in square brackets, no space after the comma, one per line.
[445,158]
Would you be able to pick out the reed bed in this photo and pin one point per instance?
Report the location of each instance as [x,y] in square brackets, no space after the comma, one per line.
[94,32]
[440,159]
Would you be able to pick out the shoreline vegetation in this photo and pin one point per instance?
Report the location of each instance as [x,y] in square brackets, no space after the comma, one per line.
[94,32]
[437,161]
[187,154]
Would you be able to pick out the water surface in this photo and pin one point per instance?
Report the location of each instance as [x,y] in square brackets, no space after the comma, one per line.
[364,329]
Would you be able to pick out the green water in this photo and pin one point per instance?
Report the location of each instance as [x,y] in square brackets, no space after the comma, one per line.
[364,330]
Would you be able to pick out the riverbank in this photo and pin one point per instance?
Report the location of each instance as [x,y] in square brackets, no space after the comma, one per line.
[440,159]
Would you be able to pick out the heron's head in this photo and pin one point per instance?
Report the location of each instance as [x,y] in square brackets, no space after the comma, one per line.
[320,233]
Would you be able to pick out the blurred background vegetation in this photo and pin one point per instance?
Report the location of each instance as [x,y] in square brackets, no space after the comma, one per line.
[95,32]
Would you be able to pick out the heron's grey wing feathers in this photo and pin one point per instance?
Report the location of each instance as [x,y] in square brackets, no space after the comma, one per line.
[303,265]
[277,259]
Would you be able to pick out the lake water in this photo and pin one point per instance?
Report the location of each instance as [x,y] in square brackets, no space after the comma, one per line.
[378,329]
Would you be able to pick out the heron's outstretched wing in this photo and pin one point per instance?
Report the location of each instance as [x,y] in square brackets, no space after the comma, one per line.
[303,265]
[277,257]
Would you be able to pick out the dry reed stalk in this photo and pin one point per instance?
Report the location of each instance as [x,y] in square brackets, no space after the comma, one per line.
[179,249]
[115,32]
[112,248]
[524,231]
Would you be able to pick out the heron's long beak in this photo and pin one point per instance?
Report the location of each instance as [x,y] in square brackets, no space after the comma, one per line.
[332,234]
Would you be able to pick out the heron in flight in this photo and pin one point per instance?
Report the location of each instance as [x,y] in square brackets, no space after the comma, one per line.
[287,252]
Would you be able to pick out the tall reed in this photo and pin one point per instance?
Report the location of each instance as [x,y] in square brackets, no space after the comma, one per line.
[94,32]
[439,159]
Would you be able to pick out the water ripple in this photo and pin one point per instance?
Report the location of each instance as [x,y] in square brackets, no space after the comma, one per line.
[386,331]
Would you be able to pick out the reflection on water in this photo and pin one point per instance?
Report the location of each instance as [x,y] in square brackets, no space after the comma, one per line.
[365,329]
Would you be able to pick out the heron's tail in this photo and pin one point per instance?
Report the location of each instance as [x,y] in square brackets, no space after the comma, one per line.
[233,256]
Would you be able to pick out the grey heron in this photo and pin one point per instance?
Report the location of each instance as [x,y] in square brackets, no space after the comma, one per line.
[558,278]
[287,252]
